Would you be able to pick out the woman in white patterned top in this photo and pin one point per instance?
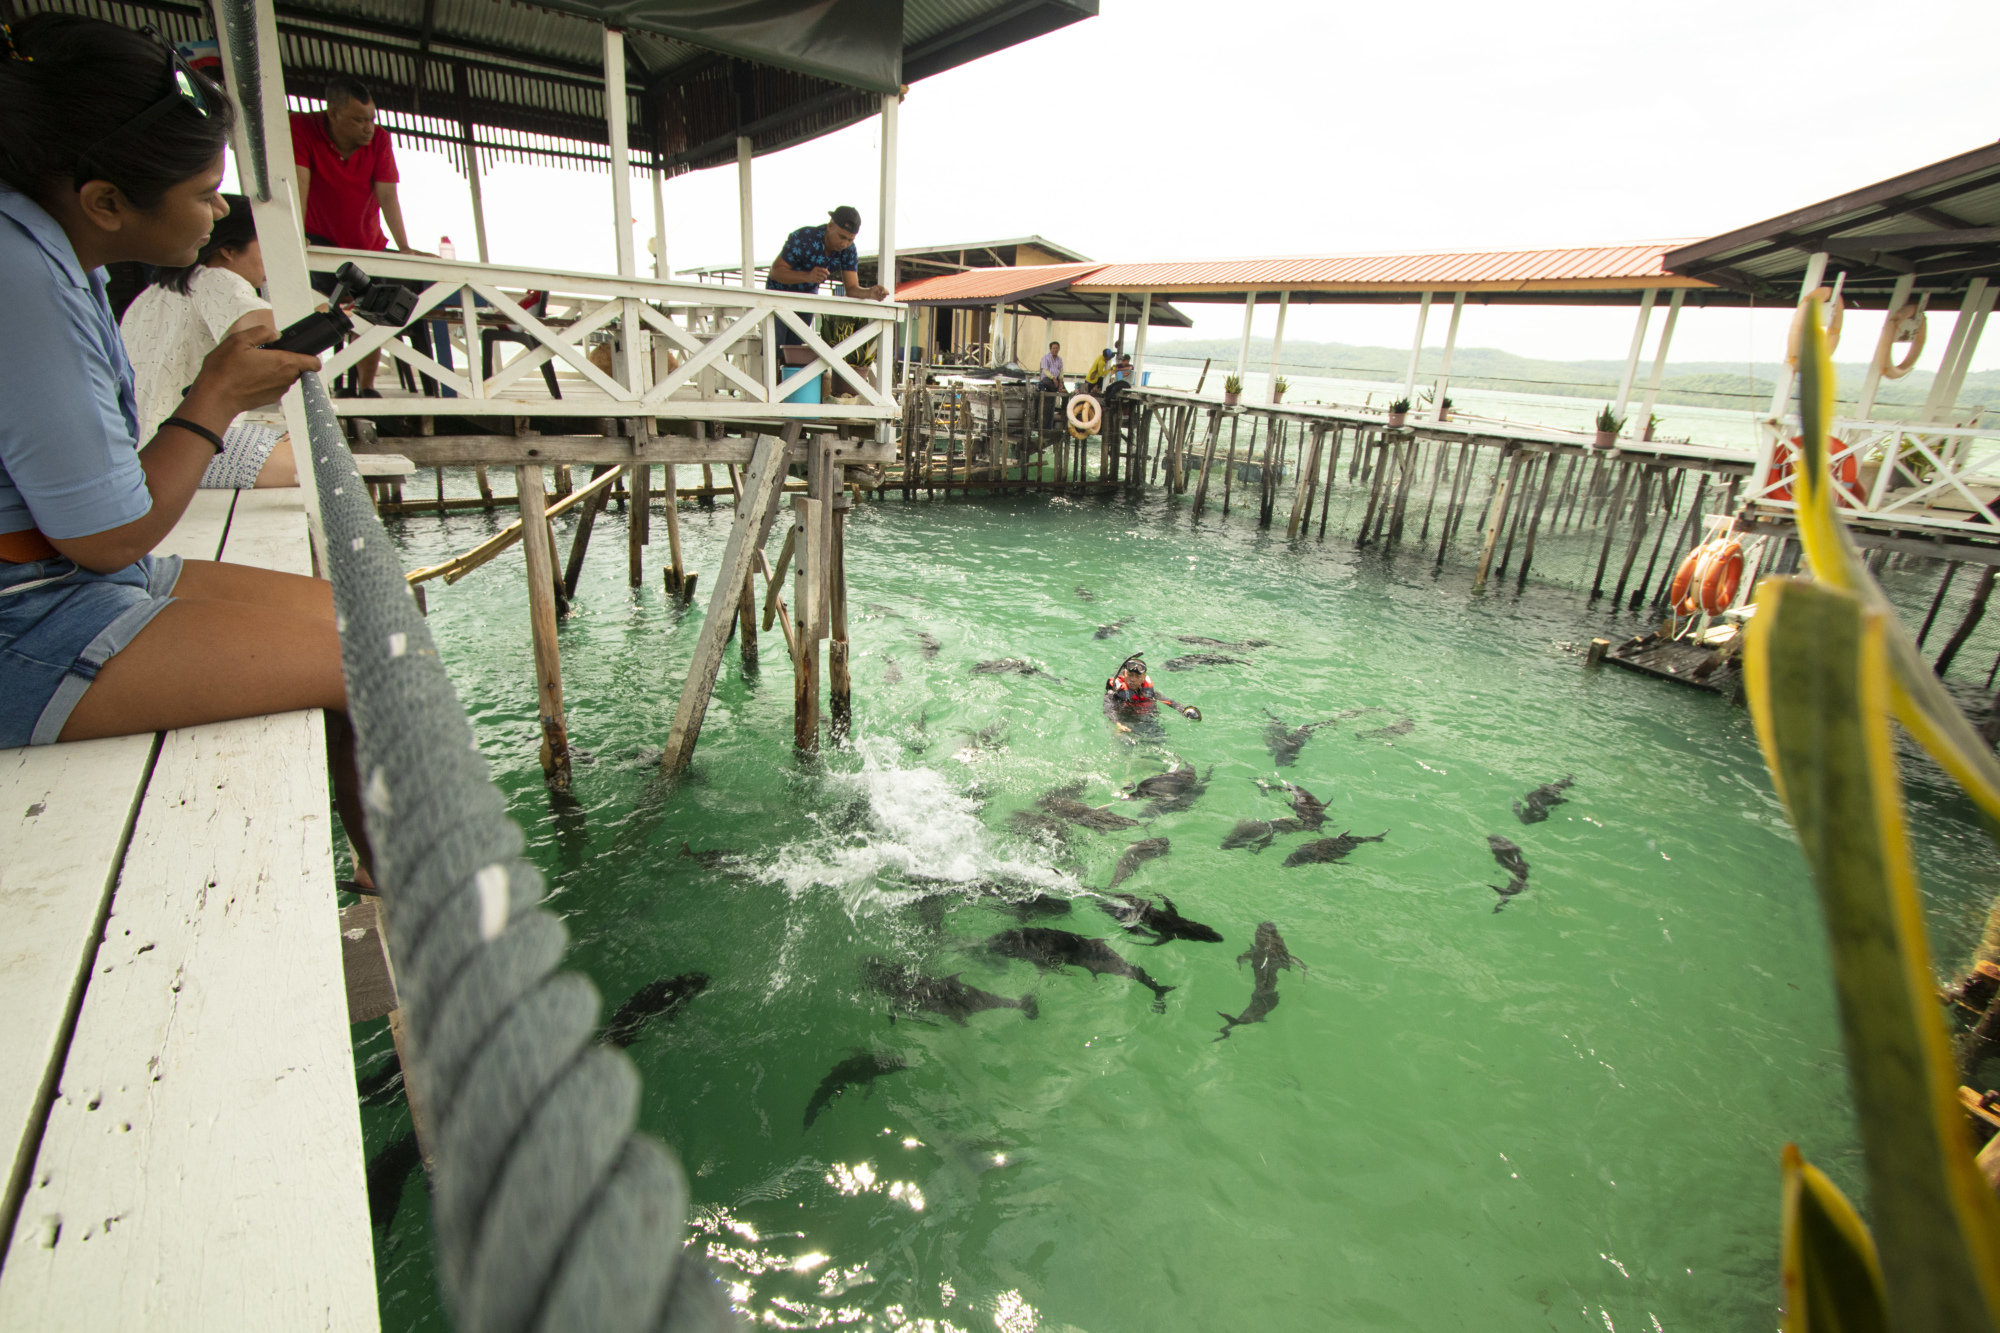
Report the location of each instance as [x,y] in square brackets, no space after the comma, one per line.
[180,318]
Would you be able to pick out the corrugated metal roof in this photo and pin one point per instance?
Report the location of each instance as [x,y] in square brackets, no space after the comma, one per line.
[1581,268]
[989,286]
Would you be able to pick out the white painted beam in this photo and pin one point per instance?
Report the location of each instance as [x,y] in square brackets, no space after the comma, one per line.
[1139,351]
[1450,346]
[1898,298]
[1659,373]
[1631,371]
[615,110]
[1243,347]
[1278,343]
[1417,345]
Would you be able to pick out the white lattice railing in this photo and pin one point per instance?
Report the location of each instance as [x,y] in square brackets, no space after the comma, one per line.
[704,351]
[1894,474]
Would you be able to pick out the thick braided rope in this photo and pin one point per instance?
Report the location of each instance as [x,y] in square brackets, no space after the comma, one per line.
[551,1212]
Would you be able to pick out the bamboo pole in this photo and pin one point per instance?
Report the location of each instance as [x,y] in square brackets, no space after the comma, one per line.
[542,627]
[459,566]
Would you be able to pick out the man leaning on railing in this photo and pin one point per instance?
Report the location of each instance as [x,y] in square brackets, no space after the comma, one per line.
[812,254]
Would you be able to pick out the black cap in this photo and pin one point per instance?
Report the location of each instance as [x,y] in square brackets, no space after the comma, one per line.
[846,217]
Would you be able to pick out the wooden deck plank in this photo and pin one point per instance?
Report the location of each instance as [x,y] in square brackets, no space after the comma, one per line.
[201,1162]
[65,811]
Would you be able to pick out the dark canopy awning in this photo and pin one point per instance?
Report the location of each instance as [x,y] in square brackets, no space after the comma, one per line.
[526,82]
[1940,223]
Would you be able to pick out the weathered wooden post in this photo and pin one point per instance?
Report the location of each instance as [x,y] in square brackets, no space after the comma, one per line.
[1503,478]
[542,626]
[840,685]
[1639,515]
[1610,527]
[1535,525]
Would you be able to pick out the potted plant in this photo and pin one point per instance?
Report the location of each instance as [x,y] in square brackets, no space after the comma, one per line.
[1652,424]
[1232,391]
[1444,410]
[1399,412]
[1608,426]
[1278,388]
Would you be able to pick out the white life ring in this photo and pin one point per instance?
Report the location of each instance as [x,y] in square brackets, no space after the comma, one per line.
[1885,350]
[1085,414]
[1797,339]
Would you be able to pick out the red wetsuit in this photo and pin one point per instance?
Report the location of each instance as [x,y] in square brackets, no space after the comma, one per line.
[1128,698]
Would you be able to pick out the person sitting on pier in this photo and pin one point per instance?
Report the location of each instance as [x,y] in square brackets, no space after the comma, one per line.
[180,318]
[113,150]
[812,254]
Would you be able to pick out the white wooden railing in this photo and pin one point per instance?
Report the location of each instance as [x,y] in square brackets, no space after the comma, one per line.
[1893,474]
[706,351]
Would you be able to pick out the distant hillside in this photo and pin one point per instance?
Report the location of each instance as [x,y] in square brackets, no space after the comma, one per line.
[1694,383]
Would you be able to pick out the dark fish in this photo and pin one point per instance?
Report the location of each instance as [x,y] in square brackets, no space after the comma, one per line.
[1106,631]
[1534,808]
[1140,917]
[1076,812]
[1034,822]
[1508,855]
[857,1071]
[1322,850]
[388,1173]
[1267,957]
[1183,799]
[655,999]
[887,612]
[1135,856]
[1010,665]
[928,644]
[1053,950]
[992,736]
[1308,807]
[1284,742]
[1202,642]
[1041,904]
[910,990]
[1170,783]
[1202,659]
[1508,890]
[710,859]
[1256,834]
[1085,594]
[891,673]
[1402,726]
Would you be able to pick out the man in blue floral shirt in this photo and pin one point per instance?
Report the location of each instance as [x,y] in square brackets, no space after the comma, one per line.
[814,254]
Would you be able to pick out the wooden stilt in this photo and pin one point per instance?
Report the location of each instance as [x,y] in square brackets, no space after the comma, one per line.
[1374,495]
[1669,497]
[1639,516]
[1460,485]
[1690,533]
[1437,479]
[1604,552]
[485,486]
[1527,462]
[635,529]
[1302,494]
[1406,477]
[1937,601]
[840,685]
[1975,611]
[542,626]
[1535,525]
[579,543]
[1268,481]
[671,511]
[1496,509]
[563,485]
[756,508]
[1229,466]
[1326,491]
[1207,461]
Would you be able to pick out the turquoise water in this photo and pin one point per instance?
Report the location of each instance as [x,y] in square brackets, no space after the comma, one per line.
[1566,1114]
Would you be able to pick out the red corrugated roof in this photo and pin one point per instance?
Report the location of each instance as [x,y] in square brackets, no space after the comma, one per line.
[988,286]
[1580,268]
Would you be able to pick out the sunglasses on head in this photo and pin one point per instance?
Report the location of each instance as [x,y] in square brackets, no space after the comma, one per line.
[187,91]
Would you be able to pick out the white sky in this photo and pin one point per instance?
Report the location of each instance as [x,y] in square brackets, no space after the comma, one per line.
[1165,129]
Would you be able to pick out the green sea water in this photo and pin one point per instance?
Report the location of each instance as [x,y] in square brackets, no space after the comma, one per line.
[1566,1114]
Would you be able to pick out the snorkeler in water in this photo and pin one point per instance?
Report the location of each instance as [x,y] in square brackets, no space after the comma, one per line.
[1129,694]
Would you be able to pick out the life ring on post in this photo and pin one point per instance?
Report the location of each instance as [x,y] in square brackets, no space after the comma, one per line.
[1085,414]
[1721,579]
[1684,580]
[1892,329]
[1847,490]
[1797,338]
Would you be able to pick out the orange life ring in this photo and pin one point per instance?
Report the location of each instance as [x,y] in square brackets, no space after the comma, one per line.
[1798,333]
[1722,578]
[1847,489]
[1085,414]
[1677,595]
[1885,349]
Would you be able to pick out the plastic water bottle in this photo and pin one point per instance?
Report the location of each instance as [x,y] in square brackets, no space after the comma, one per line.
[446,250]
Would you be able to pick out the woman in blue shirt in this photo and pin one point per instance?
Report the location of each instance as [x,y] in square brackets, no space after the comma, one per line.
[111,150]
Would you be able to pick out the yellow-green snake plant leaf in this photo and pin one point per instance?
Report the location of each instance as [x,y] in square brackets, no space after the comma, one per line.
[1833,1282]
[1816,672]
[1918,699]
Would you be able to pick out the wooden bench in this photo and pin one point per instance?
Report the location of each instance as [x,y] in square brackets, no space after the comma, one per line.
[176,1076]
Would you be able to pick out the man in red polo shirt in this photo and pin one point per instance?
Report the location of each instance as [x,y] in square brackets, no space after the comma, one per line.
[347,179]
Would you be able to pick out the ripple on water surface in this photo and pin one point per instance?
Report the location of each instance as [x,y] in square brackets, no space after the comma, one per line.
[1565,1113]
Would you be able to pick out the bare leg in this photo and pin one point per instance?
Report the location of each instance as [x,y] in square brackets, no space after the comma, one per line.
[364,371]
[236,642]
[280,469]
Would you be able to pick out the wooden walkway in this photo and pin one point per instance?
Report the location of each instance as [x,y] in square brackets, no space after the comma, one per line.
[177,1086]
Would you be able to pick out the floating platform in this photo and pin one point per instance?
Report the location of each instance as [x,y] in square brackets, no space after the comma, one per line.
[1716,669]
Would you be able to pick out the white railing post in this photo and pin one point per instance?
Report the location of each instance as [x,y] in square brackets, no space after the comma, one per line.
[1243,347]
[1139,348]
[1278,344]
[1417,345]
[1646,299]
[615,110]
[1872,382]
[1654,380]
[1450,346]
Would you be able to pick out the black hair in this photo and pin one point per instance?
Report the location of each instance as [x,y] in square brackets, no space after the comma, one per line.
[70,84]
[231,233]
[343,89]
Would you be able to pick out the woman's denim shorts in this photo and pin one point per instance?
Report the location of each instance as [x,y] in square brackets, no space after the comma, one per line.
[59,624]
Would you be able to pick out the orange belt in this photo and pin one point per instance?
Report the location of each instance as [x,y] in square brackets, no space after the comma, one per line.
[20,548]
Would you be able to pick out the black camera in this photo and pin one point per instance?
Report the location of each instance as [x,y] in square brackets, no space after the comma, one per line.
[387,303]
